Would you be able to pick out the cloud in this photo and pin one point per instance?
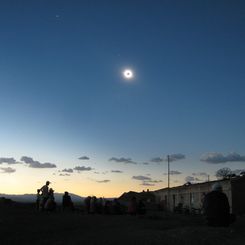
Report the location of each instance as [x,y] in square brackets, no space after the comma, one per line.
[141,177]
[200,174]
[36,164]
[122,160]
[146,181]
[216,158]
[174,157]
[104,173]
[64,174]
[157,159]
[147,184]
[238,171]
[103,181]
[8,170]
[82,168]
[8,160]
[154,181]
[116,171]
[67,170]
[83,158]
[173,172]
[191,179]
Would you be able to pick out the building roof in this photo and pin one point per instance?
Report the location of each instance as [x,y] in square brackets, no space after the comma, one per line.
[203,183]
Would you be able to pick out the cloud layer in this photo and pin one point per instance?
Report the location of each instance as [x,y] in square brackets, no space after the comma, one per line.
[36,164]
[83,158]
[172,158]
[67,170]
[8,160]
[216,158]
[103,181]
[82,168]
[146,181]
[147,184]
[141,177]
[116,171]
[173,172]
[203,174]
[191,179]
[64,174]
[8,170]
[122,160]
[157,159]
[175,157]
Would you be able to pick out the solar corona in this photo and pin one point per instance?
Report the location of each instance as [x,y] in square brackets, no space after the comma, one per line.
[128,74]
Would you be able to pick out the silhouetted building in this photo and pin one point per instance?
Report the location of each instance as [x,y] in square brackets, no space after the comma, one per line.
[189,197]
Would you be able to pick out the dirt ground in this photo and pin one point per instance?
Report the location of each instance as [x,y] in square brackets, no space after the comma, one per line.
[23,225]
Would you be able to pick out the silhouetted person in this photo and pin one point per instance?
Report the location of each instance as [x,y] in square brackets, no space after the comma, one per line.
[100,205]
[50,204]
[87,204]
[108,207]
[132,207]
[117,209]
[141,207]
[93,205]
[44,195]
[216,207]
[67,202]
[38,200]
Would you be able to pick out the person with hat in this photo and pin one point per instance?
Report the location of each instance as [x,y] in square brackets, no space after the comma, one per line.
[216,207]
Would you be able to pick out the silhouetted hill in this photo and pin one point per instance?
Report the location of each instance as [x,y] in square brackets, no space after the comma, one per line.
[27,198]
[6,201]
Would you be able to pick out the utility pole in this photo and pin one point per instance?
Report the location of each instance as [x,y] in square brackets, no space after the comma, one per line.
[168,183]
[168,173]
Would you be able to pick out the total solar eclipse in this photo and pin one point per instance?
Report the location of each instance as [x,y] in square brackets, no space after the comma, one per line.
[128,74]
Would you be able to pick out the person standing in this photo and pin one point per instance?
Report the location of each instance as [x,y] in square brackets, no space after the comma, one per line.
[50,204]
[67,202]
[38,199]
[216,207]
[44,195]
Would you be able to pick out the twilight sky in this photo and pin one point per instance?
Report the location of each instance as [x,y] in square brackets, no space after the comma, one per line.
[69,116]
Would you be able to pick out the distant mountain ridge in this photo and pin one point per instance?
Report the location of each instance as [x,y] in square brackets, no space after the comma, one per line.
[27,198]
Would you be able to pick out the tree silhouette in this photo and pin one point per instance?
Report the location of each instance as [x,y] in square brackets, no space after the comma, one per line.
[223,173]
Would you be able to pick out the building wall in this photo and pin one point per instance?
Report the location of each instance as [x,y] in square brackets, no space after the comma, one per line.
[238,195]
[191,196]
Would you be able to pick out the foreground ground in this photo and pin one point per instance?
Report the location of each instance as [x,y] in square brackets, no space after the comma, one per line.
[22,225]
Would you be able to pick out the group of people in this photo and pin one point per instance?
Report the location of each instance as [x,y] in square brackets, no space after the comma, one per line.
[215,205]
[46,202]
[101,206]
[136,207]
[45,198]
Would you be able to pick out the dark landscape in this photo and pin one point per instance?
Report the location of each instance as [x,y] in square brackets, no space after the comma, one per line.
[122,122]
[22,224]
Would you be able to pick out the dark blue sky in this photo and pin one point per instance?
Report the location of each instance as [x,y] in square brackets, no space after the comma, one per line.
[63,94]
